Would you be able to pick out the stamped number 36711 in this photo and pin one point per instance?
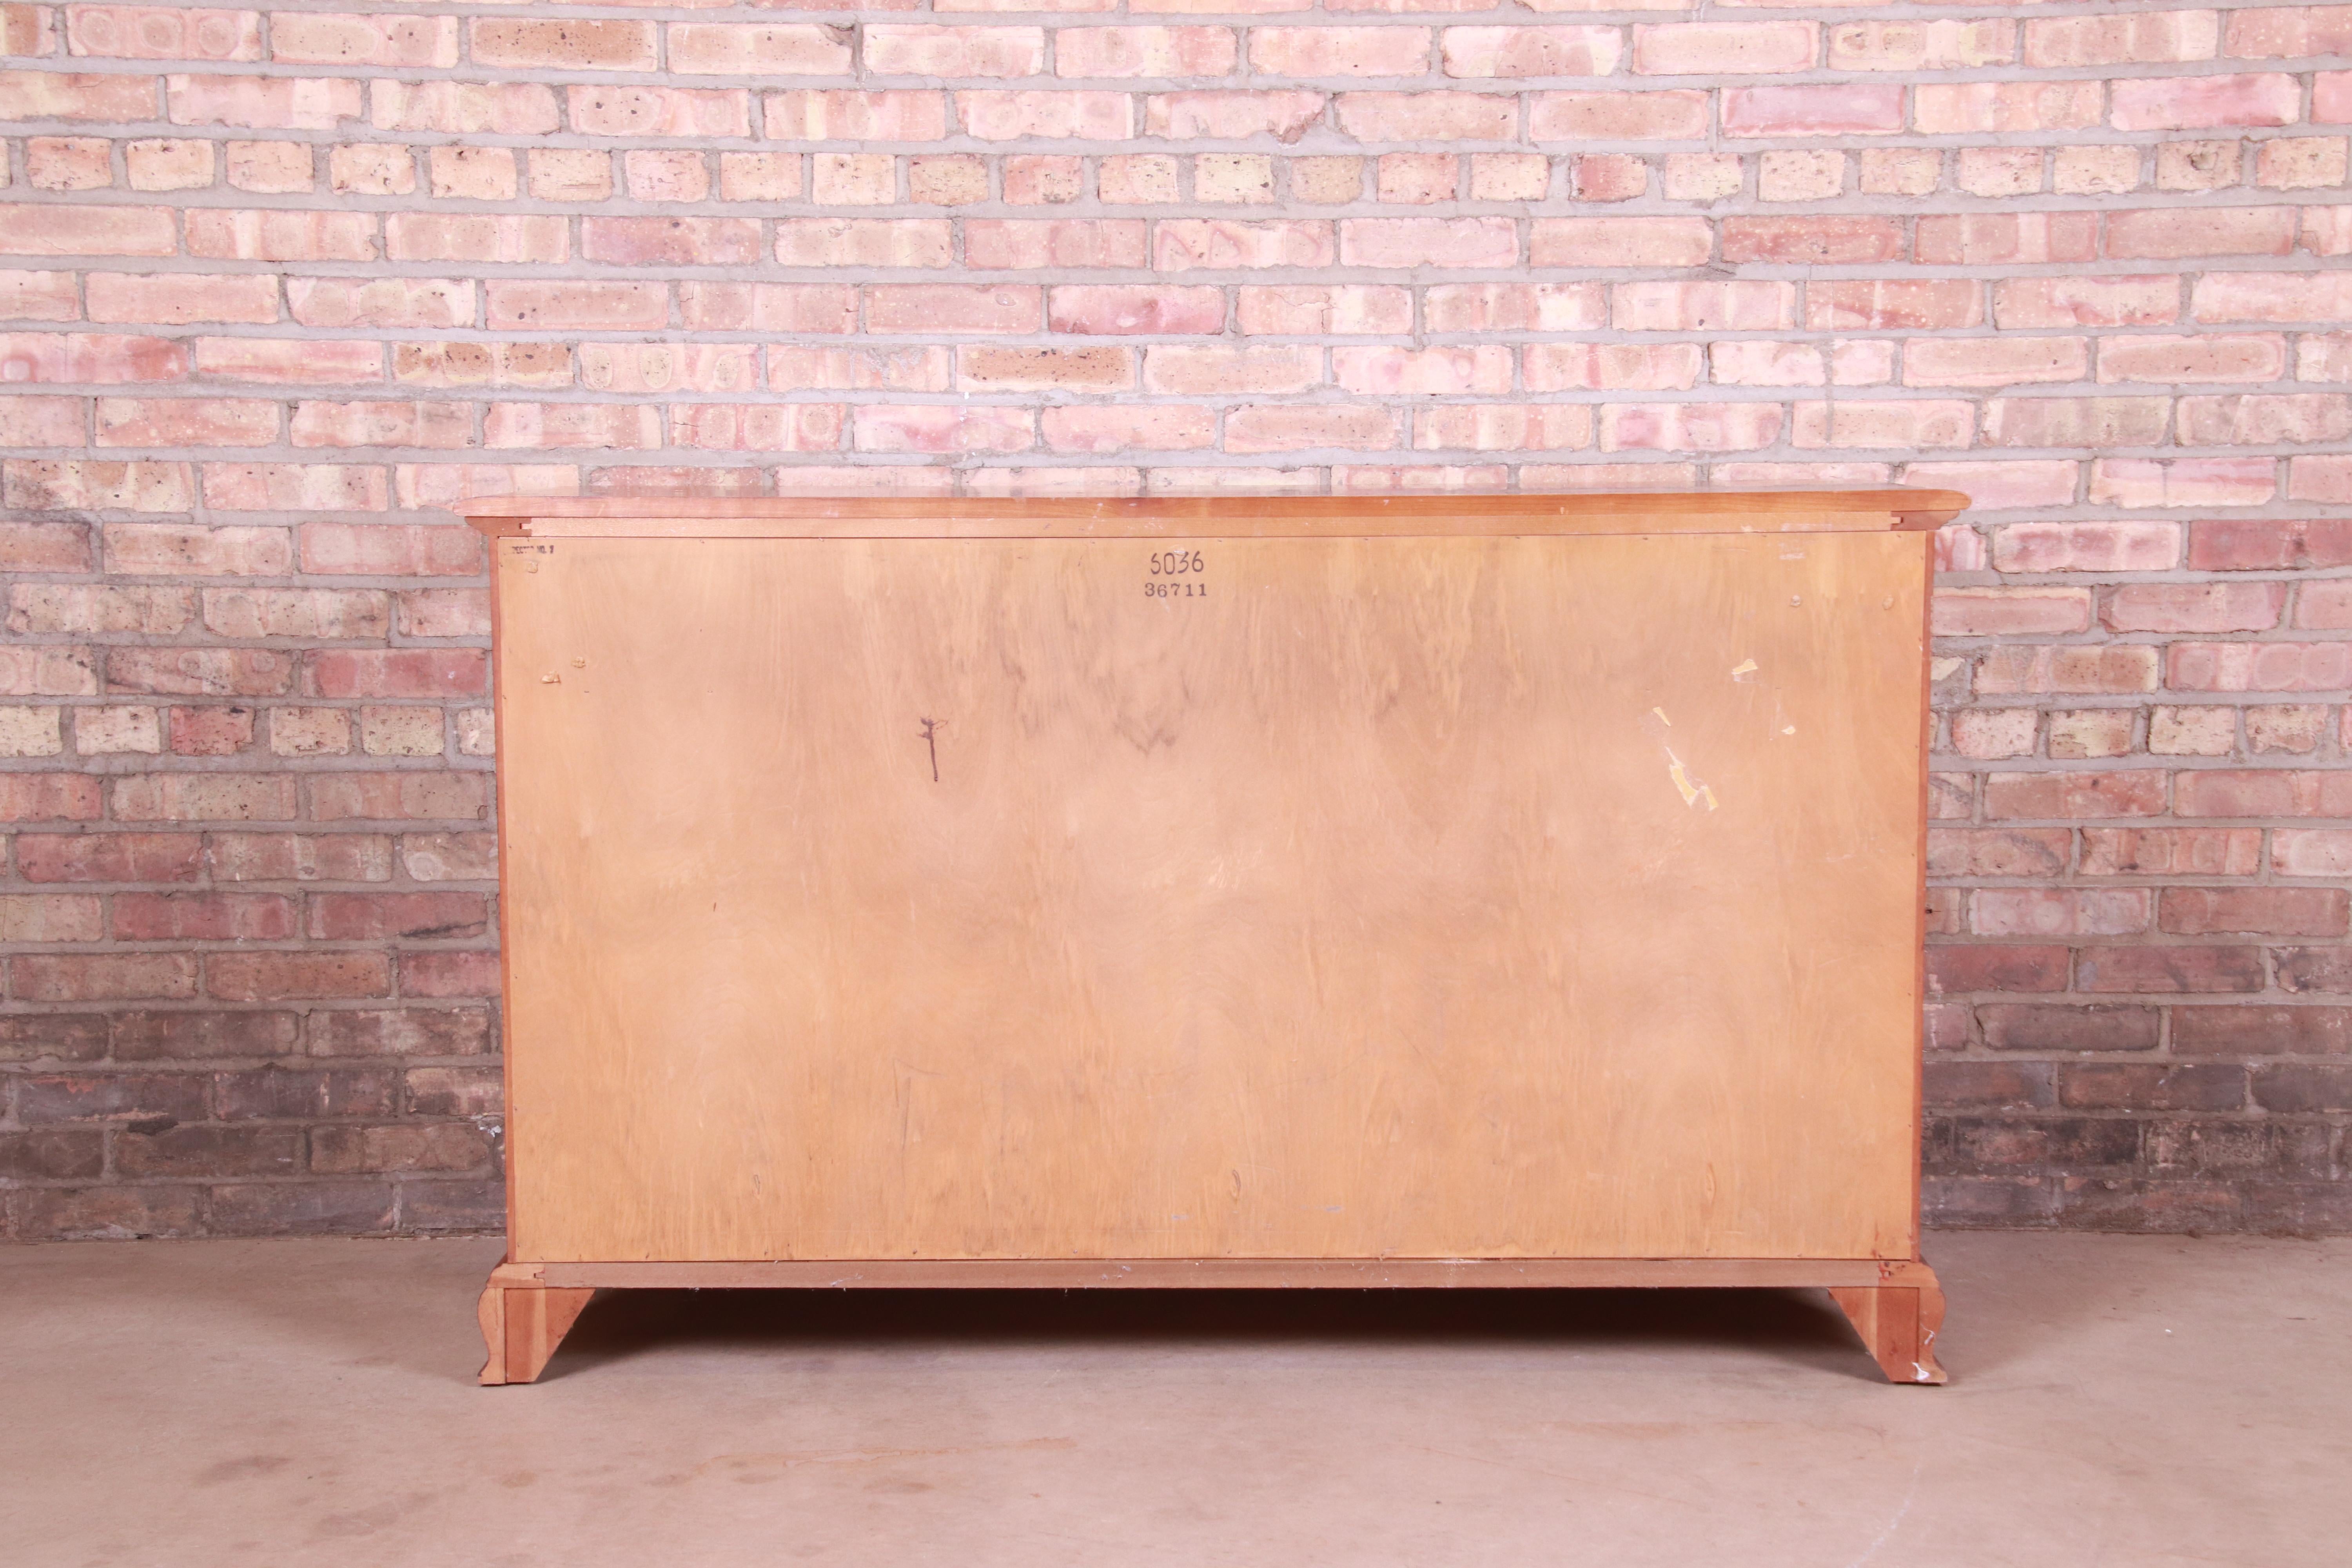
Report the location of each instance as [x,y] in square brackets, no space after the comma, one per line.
[1176,574]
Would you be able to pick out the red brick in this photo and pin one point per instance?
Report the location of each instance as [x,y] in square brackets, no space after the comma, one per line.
[2055,796]
[2170,969]
[405,917]
[1954,969]
[450,974]
[100,977]
[202,917]
[2007,612]
[276,976]
[2171,851]
[399,796]
[2256,912]
[2193,606]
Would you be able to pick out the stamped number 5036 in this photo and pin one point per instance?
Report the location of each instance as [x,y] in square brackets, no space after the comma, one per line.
[1178,564]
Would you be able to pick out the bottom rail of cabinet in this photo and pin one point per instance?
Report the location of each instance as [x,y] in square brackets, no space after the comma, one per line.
[1895,1304]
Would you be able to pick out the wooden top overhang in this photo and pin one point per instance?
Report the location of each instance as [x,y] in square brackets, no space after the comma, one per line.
[1212,516]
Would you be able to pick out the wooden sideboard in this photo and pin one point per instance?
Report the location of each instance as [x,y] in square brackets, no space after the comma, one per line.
[1462,890]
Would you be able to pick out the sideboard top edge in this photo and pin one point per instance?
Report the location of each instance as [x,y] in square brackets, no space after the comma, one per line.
[1111,518]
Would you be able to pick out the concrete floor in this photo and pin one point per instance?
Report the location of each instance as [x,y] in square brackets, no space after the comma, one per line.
[2117,1402]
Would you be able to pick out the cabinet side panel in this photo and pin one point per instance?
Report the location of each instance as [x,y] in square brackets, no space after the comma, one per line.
[1278,899]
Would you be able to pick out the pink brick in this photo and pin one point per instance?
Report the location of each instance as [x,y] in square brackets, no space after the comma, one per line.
[2251,545]
[2210,357]
[1612,367]
[82,485]
[184,422]
[1024,245]
[462,108]
[2174,233]
[1515,52]
[2258,420]
[39,297]
[670,241]
[2319,297]
[179,299]
[1895,304]
[759,427]
[953,308]
[295,487]
[468,236]
[290,361]
[1139,309]
[104,357]
[391,550]
[1321,309]
[2319,478]
[861,367]
[1515,307]
[1843,108]
[632,112]
[2182,482]
[1143,51]
[2029,302]
[2058,911]
[1621,242]
[2193,607]
[164,33]
[928,428]
[1689,427]
[711,48]
[1284,114]
[50,95]
[1994,362]
[1132,427]
[1503,427]
[381,301]
[1910,423]
[2009,612]
[1014,115]
[2270,792]
[1826,240]
[28,230]
[1662,307]
[790,308]
[2202,102]
[278,104]
[2258,666]
[1724,49]
[1300,427]
[275,236]
[1995,486]
[571,44]
[1429,242]
[1990,108]
[830,115]
[2161,37]
[317,37]
[1484,370]
[1979,239]
[1677,116]
[1181,244]
[610,426]
[604,307]
[1455,115]
[1343,51]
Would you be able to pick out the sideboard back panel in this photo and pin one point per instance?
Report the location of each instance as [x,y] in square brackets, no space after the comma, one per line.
[1212,897]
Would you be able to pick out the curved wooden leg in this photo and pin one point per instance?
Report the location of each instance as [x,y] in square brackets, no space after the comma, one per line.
[1898,1321]
[523,1322]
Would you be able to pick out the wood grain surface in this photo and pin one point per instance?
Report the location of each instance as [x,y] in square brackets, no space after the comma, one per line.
[1336,897]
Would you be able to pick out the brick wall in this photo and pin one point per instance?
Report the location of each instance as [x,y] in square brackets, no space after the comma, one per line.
[282,287]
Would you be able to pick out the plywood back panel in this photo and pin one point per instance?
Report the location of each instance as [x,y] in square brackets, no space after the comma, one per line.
[1406,896]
